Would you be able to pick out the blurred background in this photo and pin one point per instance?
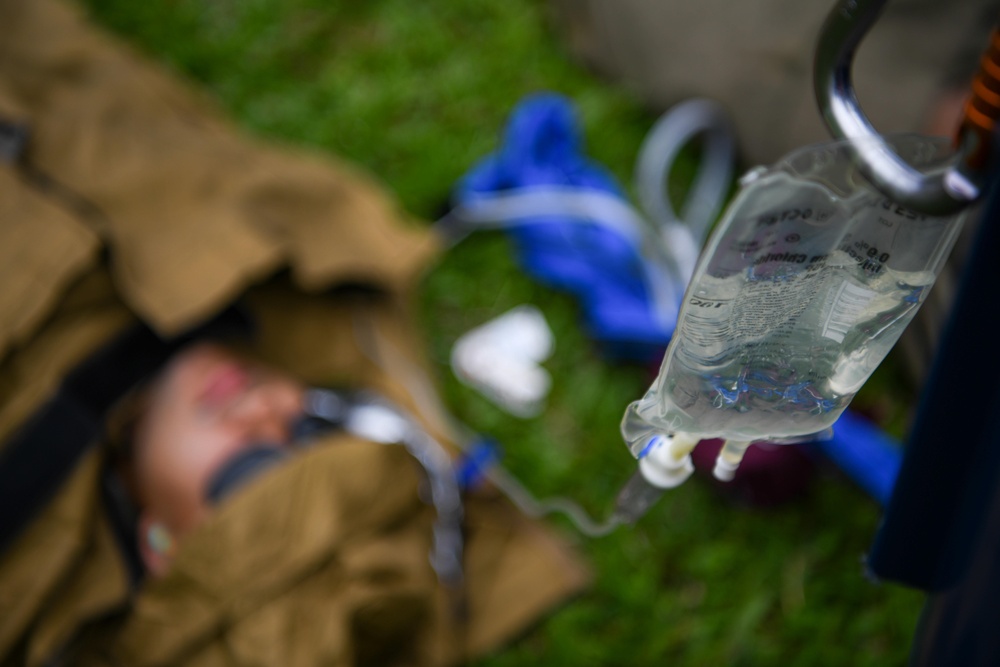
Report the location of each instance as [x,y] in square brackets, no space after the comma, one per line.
[417,93]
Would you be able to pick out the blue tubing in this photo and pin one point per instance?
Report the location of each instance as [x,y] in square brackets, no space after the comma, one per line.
[867,454]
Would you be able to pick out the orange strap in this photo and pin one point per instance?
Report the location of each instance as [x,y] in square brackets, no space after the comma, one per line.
[983,108]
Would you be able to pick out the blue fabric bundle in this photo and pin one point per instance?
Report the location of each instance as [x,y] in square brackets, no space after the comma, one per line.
[603,268]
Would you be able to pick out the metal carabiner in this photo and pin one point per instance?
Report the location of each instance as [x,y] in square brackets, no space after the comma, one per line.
[945,190]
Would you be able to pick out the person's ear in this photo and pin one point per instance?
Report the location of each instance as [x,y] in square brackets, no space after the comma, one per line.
[156,544]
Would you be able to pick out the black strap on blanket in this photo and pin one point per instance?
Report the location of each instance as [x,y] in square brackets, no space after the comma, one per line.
[39,457]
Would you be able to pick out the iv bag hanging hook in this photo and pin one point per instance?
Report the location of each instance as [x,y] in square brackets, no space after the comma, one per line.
[939,192]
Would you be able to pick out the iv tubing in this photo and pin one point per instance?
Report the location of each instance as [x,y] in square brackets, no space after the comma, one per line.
[376,348]
[659,151]
[670,261]
[522,206]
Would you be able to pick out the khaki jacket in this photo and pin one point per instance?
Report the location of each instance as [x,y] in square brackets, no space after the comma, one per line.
[134,200]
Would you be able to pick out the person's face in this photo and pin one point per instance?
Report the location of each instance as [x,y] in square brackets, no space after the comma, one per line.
[206,406]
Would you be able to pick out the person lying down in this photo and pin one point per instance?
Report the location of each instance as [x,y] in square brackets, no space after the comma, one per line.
[214,419]
[186,435]
[233,507]
[276,501]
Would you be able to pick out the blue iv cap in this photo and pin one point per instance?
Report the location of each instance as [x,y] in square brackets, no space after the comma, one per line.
[474,464]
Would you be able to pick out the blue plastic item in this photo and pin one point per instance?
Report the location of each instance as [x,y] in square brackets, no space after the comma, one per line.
[867,454]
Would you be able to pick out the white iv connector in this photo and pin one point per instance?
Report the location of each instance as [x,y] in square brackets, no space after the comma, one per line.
[667,462]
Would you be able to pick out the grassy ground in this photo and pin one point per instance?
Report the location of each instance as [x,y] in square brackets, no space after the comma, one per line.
[417,92]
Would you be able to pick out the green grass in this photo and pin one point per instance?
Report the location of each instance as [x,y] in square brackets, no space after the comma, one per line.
[417,92]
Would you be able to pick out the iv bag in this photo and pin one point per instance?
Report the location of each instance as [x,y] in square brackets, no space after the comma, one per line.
[804,287]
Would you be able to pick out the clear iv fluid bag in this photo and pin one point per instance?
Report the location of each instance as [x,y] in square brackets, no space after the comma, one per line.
[802,290]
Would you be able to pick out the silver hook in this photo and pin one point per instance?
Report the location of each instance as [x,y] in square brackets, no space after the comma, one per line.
[939,192]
